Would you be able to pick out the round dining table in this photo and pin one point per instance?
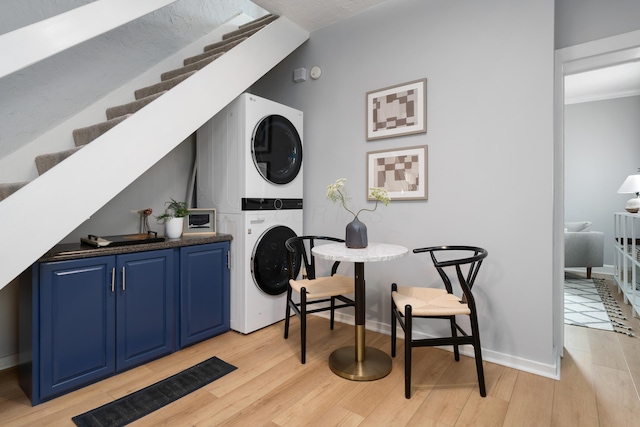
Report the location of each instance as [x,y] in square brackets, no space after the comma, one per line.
[359,362]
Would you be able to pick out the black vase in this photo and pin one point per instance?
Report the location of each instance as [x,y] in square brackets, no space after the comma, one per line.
[356,234]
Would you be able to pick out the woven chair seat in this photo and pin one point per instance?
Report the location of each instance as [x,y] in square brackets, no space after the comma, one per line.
[429,301]
[323,287]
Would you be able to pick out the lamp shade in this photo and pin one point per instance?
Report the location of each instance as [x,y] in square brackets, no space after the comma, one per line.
[630,185]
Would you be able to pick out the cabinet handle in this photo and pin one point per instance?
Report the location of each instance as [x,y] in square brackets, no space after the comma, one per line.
[228,260]
[113,279]
[123,279]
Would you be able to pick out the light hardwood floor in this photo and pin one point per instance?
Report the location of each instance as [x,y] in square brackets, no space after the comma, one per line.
[600,376]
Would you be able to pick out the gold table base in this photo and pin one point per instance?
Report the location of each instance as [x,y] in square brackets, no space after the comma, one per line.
[376,364]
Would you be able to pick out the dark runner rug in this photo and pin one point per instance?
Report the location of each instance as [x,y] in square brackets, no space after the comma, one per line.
[142,402]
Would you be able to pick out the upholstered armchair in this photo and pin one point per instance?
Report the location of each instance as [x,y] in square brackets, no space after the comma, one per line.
[583,247]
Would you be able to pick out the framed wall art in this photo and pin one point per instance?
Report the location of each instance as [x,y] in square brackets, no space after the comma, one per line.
[402,171]
[200,221]
[397,110]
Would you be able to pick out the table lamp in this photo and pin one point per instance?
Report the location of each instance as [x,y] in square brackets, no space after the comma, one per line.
[631,185]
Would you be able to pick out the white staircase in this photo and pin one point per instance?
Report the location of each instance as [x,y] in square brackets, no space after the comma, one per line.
[43,212]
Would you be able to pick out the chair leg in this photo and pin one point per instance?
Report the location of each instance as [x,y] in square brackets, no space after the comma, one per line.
[303,325]
[287,314]
[407,351]
[333,310]
[588,272]
[454,334]
[478,354]
[394,287]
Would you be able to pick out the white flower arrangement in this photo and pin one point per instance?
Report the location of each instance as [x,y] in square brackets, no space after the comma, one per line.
[336,192]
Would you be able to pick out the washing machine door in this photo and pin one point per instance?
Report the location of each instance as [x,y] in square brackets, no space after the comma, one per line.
[269,265]
[276,148]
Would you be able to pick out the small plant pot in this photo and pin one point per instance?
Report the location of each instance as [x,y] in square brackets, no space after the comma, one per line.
[173,228]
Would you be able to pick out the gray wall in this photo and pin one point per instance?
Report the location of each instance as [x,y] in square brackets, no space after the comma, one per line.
[490,151]
[580,21]
[601,150]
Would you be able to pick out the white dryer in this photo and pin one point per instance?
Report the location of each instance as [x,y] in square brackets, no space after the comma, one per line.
[251,150]
[250,169]
[259,268]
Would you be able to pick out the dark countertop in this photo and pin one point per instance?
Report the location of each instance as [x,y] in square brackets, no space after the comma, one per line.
[67,251]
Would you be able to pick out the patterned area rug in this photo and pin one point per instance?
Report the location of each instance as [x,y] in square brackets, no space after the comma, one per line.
[588,303]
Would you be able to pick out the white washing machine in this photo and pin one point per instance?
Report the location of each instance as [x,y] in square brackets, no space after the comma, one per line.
[259,268]
[249,163]
[251,150]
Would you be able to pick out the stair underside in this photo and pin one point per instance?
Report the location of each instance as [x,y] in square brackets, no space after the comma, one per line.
[112,161]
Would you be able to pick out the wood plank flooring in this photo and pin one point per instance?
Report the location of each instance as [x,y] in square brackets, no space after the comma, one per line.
[599,386]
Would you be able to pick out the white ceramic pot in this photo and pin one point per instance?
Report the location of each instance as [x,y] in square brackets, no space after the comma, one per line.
[173,228]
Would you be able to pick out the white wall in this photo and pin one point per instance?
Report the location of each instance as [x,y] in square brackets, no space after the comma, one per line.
[489,67]
[601,150]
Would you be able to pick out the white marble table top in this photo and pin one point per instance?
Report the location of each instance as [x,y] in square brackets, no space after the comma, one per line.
[373,252]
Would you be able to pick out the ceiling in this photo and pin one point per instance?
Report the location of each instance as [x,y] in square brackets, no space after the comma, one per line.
[315,14]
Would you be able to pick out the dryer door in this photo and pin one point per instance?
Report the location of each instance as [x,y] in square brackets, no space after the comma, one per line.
[276,148]
[269,266]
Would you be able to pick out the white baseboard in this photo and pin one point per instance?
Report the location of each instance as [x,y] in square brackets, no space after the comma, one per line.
[542,369]
[8,361]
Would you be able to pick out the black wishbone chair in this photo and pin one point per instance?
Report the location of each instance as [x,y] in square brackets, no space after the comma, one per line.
[313,290]
[409,303]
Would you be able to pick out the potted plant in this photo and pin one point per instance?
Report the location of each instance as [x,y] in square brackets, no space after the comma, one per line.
[173,218]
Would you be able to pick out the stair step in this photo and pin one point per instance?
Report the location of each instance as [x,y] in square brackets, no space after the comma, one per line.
[195,66]
[256,24]
[223,47]
[83,136]
[44,162]
[131,107]
[162,86]
[244,35]
[9,188]
[262,18]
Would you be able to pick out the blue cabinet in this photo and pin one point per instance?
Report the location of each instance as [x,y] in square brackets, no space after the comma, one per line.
[145,309]
[82,320]
[77,324]
[204,292]
[98,316]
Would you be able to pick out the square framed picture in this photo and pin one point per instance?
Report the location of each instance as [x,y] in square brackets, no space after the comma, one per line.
[200,221]
[401,171]
[397,110]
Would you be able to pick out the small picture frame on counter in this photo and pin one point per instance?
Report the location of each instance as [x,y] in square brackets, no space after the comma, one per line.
[200,221]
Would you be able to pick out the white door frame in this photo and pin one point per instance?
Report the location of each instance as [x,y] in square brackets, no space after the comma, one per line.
[571,60]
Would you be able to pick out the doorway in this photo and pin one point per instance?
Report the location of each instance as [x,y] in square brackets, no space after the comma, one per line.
[573,60]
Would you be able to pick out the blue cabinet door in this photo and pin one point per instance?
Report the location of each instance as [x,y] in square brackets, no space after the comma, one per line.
[145,307]
[204,292]
[77,324]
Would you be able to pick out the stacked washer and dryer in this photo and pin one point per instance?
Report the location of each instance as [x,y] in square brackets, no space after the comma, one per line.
[249,162]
